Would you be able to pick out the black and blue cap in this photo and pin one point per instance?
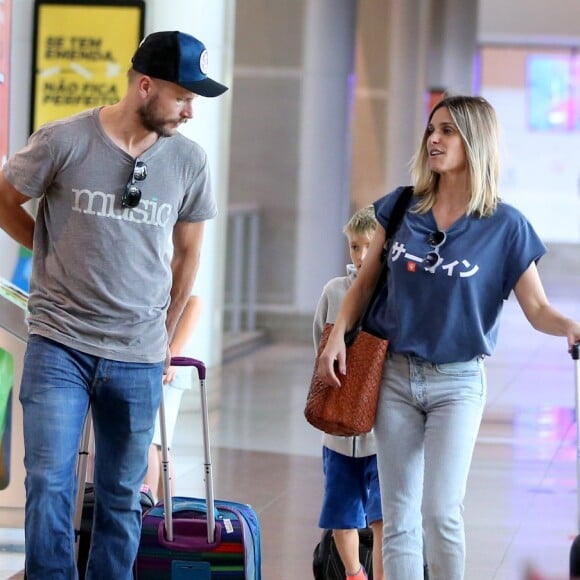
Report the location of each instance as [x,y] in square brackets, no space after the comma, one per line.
[178,58]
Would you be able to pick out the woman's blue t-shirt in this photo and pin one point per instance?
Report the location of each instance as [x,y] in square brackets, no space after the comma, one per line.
[451,314]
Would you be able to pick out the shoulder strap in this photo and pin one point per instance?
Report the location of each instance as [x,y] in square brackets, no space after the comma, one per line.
[397,215]
[399,210]
[395,221]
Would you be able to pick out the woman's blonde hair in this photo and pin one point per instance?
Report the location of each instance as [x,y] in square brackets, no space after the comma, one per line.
[478,127]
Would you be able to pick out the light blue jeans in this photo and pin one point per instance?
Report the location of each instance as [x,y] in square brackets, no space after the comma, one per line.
[427,423]
[57,385]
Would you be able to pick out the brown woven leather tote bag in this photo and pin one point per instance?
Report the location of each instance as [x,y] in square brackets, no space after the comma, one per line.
[351,408]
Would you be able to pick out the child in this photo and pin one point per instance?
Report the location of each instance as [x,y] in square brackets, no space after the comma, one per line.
[351,481]
[174,383]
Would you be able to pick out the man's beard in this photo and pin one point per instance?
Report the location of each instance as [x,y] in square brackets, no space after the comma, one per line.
[151,121]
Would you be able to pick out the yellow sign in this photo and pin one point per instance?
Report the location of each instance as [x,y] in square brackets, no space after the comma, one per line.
[82,54]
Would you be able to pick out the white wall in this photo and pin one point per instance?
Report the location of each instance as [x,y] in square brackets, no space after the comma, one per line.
[540,169]
[523,21]
[544,186]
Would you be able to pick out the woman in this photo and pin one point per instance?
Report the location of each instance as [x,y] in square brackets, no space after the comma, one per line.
[457,256]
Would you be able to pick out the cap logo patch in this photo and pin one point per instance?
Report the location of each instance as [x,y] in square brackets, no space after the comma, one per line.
[203,61]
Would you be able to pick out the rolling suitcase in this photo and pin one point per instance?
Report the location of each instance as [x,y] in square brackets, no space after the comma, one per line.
[201,539]
[575,549]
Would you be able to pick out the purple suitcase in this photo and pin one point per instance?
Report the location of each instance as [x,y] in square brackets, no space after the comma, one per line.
[201,539]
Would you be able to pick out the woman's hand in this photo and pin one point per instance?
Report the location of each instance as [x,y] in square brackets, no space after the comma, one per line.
[332,360]
[573,334]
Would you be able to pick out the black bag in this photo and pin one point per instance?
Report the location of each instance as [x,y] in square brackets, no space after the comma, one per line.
[84,540]
[326,563]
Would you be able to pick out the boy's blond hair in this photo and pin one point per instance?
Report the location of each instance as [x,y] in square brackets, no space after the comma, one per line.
[363,222]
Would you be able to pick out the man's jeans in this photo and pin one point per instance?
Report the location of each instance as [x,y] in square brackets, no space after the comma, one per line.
[58,383]
[426,426]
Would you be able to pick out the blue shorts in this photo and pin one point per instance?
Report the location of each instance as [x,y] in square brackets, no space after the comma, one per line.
[352,497]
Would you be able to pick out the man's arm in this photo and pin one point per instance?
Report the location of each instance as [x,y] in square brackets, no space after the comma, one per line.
[14,219]
[187,240]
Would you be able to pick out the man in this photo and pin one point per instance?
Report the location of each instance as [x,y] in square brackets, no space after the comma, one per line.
[122,202]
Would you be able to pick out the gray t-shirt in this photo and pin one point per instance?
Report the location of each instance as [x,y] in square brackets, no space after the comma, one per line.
[101,273]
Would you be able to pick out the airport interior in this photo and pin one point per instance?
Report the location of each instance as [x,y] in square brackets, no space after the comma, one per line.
[327,102]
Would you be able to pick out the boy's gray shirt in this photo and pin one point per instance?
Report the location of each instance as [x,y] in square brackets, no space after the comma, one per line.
[326,312]
[101,274]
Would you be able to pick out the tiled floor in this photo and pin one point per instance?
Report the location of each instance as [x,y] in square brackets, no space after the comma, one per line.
[521,501]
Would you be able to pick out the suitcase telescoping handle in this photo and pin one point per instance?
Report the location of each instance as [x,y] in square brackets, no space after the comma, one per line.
[182,361]
[575,352]
[82,465]
[575,548]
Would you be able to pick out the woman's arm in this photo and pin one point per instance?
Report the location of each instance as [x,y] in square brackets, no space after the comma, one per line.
[542,316]
[351,309]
